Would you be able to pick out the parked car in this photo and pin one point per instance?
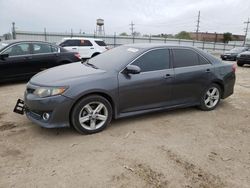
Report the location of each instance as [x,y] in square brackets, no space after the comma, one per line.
[127,80]
[23,59]
[86,47]
[232,54]
[243,58]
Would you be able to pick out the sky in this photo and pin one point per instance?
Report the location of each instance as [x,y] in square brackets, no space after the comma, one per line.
[149,16]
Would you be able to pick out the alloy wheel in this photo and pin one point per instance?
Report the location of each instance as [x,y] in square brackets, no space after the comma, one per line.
[93,115]
[212,97]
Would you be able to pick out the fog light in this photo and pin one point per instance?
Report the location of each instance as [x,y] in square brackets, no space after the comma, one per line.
[46,116]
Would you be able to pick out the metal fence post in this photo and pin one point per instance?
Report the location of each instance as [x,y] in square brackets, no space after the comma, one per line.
[203,45]
[165,40]
[224,49]
[193,42]
[45,34]
[115,39]
[214,46]
[149,38]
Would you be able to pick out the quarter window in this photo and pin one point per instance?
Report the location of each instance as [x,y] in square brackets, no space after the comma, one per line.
[41,48]
[19,49]
[185,58]
[54,49]
[153,60]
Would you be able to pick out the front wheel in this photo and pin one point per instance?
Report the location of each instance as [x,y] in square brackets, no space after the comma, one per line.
[240,64]
[91,114]
[210,98]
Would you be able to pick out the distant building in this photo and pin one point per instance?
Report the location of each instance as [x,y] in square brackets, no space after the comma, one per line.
[214,37]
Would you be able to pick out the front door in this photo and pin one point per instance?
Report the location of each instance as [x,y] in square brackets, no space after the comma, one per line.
[149,89]
[18,64]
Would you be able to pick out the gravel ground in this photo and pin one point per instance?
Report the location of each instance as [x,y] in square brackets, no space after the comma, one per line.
[179,148]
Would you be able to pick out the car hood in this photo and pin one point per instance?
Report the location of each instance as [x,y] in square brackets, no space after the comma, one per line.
[64,73]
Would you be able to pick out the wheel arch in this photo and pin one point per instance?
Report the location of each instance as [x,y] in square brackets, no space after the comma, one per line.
[220,83]
[100,93]
[95,54]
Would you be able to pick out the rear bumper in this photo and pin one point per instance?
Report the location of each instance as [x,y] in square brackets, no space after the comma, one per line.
[229,82]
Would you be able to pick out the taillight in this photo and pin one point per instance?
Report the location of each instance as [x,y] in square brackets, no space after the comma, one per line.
[107,48]
[78,55]
[234,67]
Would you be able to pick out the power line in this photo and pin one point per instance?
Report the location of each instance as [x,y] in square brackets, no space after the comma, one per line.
[198,25]
[246,31]
[132,28]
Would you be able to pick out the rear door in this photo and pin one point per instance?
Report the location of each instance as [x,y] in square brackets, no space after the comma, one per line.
[86,49]
[192,75]
[18,64]
[42,57]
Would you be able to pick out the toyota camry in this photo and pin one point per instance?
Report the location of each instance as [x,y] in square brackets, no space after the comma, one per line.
[127,80]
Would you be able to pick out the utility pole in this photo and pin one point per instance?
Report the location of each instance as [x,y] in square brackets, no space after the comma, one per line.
[13,30]
[132,28]
[246,31]
[198,25]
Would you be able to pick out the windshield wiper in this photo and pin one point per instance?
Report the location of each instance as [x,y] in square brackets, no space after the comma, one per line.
[90,64]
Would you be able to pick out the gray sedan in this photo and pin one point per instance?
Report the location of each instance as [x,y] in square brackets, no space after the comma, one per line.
[127,80]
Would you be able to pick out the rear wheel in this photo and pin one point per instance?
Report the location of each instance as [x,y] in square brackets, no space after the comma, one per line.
[210,98]
[91,114]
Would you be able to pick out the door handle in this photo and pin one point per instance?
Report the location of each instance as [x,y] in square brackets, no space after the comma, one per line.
[92,48]
[73,48]
[208,70]
[167,76]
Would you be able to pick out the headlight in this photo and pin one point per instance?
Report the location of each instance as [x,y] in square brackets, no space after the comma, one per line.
[238,55]
[49,91]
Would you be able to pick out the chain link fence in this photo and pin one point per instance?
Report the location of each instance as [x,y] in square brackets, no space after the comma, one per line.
[115,40]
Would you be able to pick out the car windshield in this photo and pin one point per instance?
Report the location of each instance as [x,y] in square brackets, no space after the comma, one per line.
[238,49]
[116,58]
[3,44]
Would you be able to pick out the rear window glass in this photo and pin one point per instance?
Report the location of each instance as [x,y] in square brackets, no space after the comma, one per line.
[85,43]
[41,48]
[100,43]
[185,58]
[70,43]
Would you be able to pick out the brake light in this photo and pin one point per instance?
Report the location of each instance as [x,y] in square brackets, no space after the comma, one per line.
[78,55]
[234,67]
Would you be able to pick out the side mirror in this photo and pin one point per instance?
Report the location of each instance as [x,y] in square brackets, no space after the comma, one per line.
[4,56]
[132,69]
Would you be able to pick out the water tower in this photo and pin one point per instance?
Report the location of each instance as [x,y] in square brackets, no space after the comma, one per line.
[100,27]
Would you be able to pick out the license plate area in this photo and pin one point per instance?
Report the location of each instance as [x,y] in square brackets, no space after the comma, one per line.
[20,107]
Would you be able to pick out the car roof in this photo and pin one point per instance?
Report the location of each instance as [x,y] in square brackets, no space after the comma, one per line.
[82,38]
[20,40]
[157,45]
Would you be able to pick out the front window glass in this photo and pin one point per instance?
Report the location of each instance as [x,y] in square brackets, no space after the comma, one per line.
[153,60]
[18,49]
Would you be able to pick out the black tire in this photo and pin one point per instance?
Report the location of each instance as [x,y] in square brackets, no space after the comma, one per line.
[240,64]
[78,109]
[204,97]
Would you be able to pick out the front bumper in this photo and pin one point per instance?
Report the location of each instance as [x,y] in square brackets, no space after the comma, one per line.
[228,57]
[58,108]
